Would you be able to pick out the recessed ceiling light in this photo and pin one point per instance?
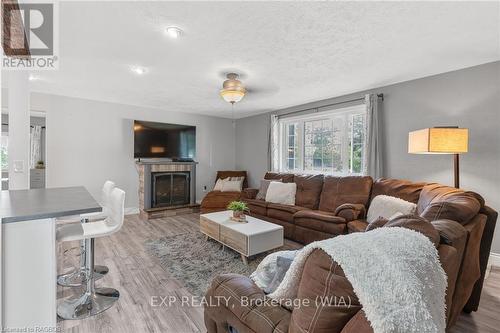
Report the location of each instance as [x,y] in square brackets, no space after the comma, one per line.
[139,70]
[173,32]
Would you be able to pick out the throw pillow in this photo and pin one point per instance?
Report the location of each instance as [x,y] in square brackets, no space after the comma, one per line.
[266,271]
[218,184]
[264,185]
[232,186]
[386,206]
[283,263]
[281,193]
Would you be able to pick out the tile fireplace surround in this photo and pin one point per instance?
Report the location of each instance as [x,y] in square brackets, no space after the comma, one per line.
[146,169]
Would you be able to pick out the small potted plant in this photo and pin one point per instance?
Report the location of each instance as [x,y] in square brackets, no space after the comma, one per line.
[239,208]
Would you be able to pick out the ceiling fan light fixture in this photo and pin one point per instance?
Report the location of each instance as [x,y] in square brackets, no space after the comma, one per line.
[232,96]
[233,90]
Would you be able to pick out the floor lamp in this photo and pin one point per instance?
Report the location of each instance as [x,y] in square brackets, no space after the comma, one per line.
[440,140]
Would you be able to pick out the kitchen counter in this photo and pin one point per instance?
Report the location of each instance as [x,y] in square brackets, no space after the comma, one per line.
[28,269]
[24,205]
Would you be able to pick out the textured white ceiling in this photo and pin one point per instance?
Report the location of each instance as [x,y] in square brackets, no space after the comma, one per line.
[289,53]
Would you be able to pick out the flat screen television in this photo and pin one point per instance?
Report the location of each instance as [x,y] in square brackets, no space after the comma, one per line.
[159,140]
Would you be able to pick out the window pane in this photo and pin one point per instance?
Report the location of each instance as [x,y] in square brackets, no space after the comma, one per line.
[334,143]
[308,158]
[337,130]
[337,158]
[308,127]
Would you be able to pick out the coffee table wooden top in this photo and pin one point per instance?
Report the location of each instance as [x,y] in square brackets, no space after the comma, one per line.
[253,226]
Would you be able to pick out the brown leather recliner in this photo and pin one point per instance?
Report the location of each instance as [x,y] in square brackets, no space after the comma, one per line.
[465,225]
[247,310]
[215,201]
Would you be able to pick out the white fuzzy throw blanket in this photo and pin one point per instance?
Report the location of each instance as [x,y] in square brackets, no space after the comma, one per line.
[395,273]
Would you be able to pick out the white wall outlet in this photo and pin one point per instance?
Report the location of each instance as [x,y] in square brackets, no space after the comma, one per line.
[19,166]
[204,188]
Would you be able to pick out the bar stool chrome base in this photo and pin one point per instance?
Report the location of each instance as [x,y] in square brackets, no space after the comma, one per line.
[77,278]
[88,304]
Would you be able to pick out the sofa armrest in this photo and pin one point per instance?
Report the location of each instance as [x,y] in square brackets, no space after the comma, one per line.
[351,212]
[235,300]
[452,233]
[249,193]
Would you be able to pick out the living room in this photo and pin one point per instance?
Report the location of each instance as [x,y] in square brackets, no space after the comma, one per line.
[160,115]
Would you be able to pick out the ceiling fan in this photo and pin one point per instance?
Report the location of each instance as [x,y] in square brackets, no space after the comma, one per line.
[233,90]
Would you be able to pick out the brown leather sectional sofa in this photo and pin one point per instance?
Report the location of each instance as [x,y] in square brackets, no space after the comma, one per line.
[327,206]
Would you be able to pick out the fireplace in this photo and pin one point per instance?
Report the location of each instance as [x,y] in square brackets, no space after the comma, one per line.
[170,189]
[166,188]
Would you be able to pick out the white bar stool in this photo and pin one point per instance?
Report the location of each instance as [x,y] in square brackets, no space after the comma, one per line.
[77,277]
[93,300]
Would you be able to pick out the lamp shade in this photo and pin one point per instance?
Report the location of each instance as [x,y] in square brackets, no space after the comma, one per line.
[438,140]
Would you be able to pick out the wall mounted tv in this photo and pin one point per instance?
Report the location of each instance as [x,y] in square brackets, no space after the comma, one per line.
[159,140]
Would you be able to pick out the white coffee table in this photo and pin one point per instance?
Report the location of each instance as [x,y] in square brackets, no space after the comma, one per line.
[254,237]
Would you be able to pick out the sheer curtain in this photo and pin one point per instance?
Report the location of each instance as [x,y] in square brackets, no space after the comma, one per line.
[374,150]
[35,145]
[273,148]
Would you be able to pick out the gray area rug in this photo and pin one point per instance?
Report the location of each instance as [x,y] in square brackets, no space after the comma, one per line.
[194,261]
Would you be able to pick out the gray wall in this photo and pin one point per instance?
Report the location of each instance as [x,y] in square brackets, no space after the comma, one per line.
[89,142]
[468,98]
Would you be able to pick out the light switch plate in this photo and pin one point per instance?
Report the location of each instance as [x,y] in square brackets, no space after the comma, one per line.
[19,166]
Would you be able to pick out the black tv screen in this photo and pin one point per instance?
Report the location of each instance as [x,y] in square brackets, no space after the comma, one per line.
[159,140]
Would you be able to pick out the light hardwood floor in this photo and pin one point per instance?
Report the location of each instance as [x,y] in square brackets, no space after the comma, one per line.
[139,277]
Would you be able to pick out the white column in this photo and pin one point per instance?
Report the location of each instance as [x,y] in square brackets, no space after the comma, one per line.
[19,130]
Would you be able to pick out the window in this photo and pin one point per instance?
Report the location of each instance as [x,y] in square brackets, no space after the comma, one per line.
[4,148]
[330,142]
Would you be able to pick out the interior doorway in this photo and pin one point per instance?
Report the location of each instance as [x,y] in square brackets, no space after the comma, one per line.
[37,162]
[38,156]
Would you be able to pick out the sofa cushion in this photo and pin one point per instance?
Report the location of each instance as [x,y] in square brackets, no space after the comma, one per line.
[283,212]
[257,206]
[218,199]
[308,190]
[319,215]
[403,189]
[444,202]
[284,177]
[341,190]
[320,221]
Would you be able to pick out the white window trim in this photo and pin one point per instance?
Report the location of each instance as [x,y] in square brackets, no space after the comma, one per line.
[359,109]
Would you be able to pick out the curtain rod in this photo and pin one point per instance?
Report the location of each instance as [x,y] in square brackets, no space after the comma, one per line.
[381,96]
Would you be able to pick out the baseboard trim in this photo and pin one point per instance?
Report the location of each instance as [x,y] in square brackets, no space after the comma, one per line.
[131,210]
[494,259]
